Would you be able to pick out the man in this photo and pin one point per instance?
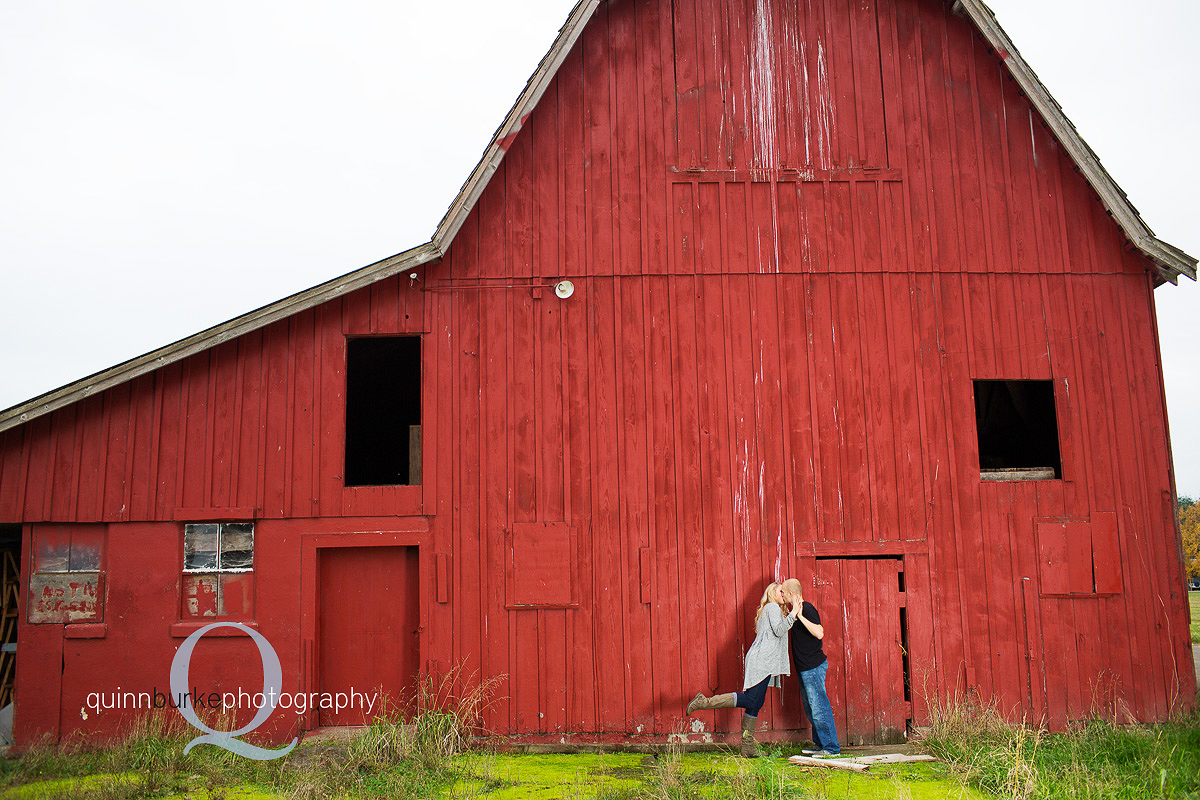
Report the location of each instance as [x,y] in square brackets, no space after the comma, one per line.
[808,657]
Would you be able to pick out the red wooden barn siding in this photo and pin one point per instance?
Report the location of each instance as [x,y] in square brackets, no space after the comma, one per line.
[768,357]
[254,423]
[726,420]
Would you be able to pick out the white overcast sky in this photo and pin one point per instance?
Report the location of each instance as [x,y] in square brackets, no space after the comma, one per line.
[166,165]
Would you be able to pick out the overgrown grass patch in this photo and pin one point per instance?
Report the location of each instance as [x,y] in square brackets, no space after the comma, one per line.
[724,777]
[1096,760]
[358,770]
[146,761]
[422,751]
[406,752]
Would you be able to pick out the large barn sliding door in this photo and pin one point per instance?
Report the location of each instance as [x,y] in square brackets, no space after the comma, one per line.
[861,602]
[368,626]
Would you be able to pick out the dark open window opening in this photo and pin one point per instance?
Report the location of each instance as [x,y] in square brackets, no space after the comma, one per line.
[1018,430]
[383,411]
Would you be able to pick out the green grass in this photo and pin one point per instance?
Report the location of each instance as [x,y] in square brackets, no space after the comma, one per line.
[697,776]
[981,758]
[397,760]
[406,752]
[148,762]
[387,761]
[364,770]
[1194,602]
[1096,760]
[423,752]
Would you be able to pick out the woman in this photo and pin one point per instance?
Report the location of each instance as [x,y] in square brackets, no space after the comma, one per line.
[766,660]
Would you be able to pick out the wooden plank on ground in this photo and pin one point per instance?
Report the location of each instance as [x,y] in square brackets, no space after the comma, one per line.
[893,758]
[832,763]
[859,763]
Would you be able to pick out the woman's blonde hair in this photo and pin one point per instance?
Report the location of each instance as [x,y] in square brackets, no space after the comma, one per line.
[770,595]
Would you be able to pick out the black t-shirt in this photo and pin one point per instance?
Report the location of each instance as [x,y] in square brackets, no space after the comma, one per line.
[806,648]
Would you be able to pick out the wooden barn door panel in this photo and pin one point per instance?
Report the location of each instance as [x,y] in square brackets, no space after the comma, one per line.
[368,626]
[859,601]
[892,710]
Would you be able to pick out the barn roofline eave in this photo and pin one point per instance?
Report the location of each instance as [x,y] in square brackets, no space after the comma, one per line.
[1169,262]
[494,153]
[218,334]
[424,254]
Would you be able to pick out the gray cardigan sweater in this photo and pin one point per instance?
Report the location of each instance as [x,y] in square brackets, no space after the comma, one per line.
[768,656]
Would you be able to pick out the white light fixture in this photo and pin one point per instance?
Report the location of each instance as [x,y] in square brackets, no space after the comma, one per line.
[564,289]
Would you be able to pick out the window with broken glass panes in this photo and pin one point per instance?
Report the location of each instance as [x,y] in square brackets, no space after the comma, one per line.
[218,570]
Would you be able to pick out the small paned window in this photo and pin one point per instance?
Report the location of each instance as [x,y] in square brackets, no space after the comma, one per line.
[383,411]
[64,550]
[67,581]
[1018,430]
[218,569]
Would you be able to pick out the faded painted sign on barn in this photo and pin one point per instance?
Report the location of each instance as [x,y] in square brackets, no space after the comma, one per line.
[66,597]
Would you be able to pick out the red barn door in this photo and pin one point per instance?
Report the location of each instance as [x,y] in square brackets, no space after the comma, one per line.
[860,602]
[368,626]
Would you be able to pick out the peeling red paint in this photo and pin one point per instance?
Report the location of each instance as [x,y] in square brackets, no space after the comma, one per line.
[200,595]
[218,595]
[65,597]
[507,141]
[1004,54]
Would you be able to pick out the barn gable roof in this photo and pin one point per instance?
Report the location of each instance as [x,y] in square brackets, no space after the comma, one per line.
[1170,262]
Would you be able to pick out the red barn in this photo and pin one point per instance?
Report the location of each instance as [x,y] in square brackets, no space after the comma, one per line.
[739,290]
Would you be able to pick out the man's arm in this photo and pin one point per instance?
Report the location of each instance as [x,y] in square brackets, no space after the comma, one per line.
[815,628]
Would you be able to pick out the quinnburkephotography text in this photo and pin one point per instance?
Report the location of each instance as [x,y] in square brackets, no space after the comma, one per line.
[119,700]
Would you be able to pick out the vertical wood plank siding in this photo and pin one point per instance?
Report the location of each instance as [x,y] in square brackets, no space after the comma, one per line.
[798,230]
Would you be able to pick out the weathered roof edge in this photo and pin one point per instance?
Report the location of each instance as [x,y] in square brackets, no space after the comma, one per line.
[415,257]
[478,180]
[211,337]
[1170,262]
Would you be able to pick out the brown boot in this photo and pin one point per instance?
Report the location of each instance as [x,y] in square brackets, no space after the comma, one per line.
[749,746]
[700,702]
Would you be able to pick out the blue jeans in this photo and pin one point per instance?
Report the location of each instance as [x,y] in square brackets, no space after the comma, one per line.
[817,708]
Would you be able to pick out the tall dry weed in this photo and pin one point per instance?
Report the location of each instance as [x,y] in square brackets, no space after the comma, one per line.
[433,725]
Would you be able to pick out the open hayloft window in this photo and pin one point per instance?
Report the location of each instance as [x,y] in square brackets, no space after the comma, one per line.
[1018,430]
[383,411]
